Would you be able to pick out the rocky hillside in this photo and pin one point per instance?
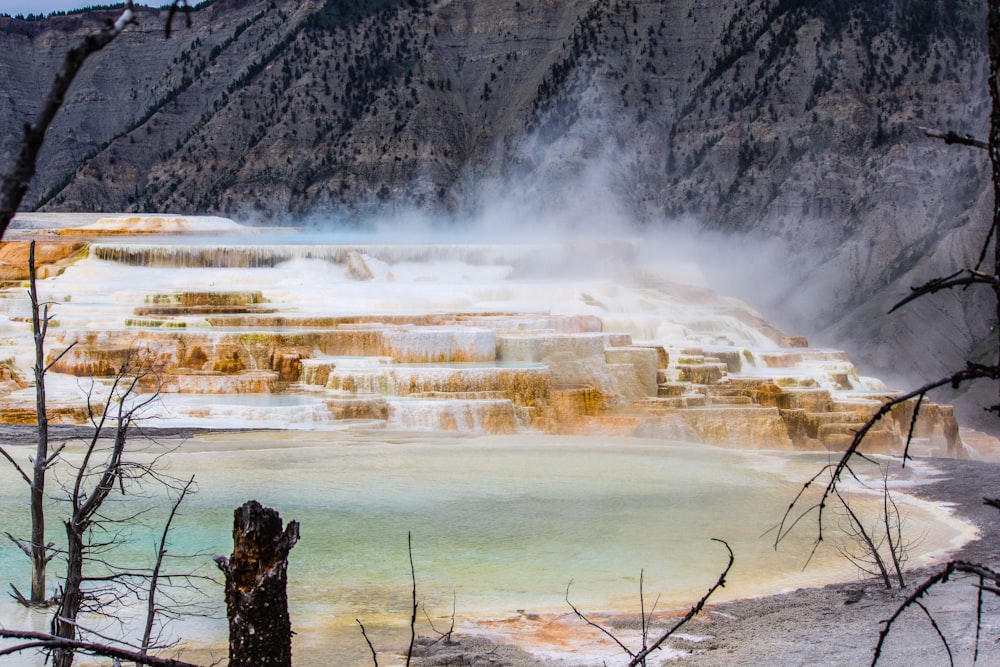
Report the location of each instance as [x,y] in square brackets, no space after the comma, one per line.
[783,133]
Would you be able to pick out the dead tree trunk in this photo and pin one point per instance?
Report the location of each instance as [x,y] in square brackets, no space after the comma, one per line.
[39,549]
[65,619]
[260,630]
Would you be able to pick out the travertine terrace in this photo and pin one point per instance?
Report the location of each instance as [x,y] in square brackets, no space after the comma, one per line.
[259,328]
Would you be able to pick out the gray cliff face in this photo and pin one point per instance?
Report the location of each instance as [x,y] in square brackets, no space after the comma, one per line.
[791,123]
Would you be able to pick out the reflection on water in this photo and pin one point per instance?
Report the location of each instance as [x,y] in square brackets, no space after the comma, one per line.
[499,524]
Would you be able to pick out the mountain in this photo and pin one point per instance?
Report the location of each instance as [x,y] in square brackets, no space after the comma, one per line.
[783,136]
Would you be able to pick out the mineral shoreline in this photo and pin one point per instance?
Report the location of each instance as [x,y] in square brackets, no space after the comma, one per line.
[837,624]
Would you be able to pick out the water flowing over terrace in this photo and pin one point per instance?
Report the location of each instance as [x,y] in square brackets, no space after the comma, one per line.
[583,336]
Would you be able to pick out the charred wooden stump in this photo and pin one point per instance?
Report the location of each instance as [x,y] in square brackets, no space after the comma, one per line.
[260,630]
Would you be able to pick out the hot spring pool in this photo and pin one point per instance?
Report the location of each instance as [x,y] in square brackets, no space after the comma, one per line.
[499,524]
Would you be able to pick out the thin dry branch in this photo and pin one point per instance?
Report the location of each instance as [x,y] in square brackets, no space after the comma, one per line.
[51,642]
[694,611]
[790,518]
[155,576]
[970,277]
[979,620]
[15,182]
[413,615]
[583,617]
[942,576]
[952,137]
[60,355]
[638,658]
[913,428]
[893,524]
[985,249]
[86,506]
[26,546]
[647,619]
[446,636]
[170,16]
[873,550]
[937,630]
[413,612]
[24,476]
[856,530]
[959,279]
[368,641]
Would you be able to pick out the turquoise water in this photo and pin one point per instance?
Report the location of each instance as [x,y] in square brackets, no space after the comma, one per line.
[498,524]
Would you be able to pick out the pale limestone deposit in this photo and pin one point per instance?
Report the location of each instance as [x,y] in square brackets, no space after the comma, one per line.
[247,330]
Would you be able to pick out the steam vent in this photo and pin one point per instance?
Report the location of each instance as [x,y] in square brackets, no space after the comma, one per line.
[278,329]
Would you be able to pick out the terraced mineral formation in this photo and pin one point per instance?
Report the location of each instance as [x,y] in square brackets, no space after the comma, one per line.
[248,329]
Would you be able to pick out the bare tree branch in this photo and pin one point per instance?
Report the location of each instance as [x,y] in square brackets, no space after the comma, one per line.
[942,576]
[937,630]
[694,611]
[446,636]
[951,137]
[86,503]
[368,641]
[60,356]
[913,427]
[639,658]
[51,642]
[413,615]
[788,521]
[160,553]
[960,279]
[592,624]
[24,476]
[973,277]
[170,16]
[15,182]
[979,620]
[857,531]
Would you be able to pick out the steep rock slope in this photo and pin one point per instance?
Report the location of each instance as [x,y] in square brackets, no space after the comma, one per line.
[792,123]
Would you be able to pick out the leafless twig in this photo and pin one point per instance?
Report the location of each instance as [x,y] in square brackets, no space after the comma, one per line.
[170,16]
[368,641]
[913,599]
[446,636]
[413,611]
[968,277]
[952,137]
[48,641]
[639,657]
[15,182]
[836,470]
[160,553]
[413,615]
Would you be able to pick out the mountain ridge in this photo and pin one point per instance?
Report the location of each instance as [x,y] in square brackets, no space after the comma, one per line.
[792,124]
